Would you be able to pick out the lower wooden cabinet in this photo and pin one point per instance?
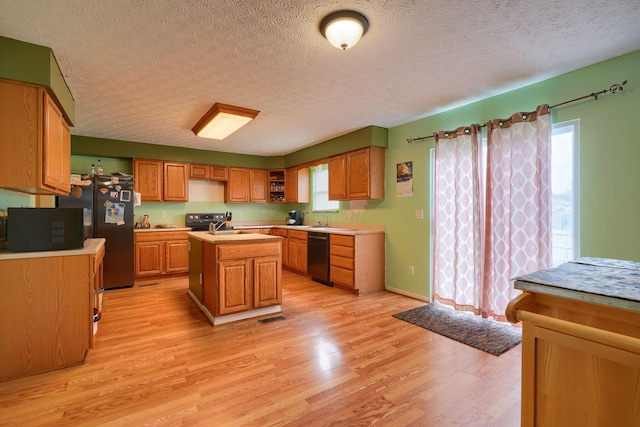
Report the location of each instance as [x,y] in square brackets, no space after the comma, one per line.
[285,243]
[357,262]
[161,252]
[297,243]
[240,277]
[46,316]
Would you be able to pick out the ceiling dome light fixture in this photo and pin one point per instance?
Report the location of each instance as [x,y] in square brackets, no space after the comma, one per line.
[344,28]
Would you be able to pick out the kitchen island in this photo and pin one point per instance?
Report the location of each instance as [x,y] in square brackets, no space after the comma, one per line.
[581,343]
[235,276]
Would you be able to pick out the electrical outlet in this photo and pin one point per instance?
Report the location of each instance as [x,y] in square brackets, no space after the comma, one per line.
[163,214]
[419,214]
[273,213]
[411,270]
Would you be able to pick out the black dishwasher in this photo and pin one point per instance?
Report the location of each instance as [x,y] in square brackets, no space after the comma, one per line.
[318,257]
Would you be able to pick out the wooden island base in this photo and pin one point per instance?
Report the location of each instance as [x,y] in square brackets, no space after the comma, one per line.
[235,277]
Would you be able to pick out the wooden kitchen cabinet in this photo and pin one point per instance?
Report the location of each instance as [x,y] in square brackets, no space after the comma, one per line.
[238,186]
[175,182]
[258,179]
[247,185]
[46,316]
[337,177]
[298,248]
[297,188]
[208,172]
[357,262]
[159,253]
[357,175]
[159,181]
[281,232]
[35,141]
[238,277]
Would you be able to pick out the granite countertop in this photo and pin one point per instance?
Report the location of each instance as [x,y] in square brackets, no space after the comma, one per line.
[231,237]
[91,246]
[599,280]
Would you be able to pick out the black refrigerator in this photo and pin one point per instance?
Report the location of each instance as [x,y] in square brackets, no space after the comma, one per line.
[108,212]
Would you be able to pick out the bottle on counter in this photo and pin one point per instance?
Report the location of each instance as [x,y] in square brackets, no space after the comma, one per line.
[93,170]
[100,170]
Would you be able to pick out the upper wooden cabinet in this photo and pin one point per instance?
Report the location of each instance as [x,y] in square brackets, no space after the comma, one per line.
[357,175]
[247,185]
[175,182]
[296,185]
[35,141]
[277,186]
[158,181]
[337,177]
[208,172]
[258,185]
[238,186]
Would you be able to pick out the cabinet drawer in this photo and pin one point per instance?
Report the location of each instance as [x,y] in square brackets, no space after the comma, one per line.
[343,251]
[340,261]
[279,232]
[249,250]
[154,236]
[342,240]
[341,275]
[295,234]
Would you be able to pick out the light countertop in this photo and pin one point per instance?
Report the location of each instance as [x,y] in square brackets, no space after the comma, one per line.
[231,238]
[91,246]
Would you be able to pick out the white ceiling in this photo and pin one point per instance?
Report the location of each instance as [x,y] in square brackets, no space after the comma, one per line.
[147,70]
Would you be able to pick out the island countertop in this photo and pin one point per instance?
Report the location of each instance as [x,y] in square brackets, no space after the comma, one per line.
[230,238]
[610,282]
[90,246]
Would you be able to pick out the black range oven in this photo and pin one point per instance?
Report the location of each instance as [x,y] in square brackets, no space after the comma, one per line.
[201,221]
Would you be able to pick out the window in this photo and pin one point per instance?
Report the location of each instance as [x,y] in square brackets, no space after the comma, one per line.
[320,190]
[564,191]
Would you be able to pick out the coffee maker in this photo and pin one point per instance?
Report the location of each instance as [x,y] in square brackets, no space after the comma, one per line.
[294,218]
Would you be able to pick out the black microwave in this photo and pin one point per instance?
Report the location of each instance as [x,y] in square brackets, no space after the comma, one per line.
[44,229]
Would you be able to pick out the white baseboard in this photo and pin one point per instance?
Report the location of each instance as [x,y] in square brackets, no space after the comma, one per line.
[408,294]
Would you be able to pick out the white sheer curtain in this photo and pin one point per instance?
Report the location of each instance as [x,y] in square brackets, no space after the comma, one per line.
[484,237]
[518,214]
[457,219]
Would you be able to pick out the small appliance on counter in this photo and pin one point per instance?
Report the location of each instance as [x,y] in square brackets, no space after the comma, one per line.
[44,229]
[294,218]
[203,221]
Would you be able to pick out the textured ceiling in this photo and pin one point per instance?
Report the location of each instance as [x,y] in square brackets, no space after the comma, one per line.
[147,70]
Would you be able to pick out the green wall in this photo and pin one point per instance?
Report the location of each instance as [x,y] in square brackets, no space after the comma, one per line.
[35,64]
[609,197]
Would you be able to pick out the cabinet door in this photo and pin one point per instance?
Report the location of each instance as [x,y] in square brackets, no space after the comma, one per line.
[199,172]
[238,185]
[175,188]
[148,179]
[302,256]
[267,282]
[358,174]
[55,145]
[218,173]
[337,181]
[293,253]
[258,185]
[149,258]
[176,257]
[291,185]
[235,284]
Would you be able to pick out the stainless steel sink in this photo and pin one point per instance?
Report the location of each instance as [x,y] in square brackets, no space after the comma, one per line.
[318,227]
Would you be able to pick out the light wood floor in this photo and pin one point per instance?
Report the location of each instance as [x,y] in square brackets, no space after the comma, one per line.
[335,360]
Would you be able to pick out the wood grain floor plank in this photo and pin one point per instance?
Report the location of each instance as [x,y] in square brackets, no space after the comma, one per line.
[336,359]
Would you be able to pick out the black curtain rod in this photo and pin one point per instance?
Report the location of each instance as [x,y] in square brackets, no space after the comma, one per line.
[613,89]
